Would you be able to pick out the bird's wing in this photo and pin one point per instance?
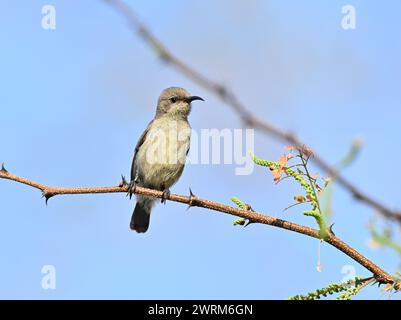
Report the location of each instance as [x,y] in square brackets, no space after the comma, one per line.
[138,145]
[189,144]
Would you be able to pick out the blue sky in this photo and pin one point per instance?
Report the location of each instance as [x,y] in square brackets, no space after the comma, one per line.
[74,101]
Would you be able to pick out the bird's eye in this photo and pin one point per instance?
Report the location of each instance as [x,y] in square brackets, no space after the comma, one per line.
[173,99]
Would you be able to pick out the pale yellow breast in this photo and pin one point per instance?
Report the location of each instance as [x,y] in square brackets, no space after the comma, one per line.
[162,156]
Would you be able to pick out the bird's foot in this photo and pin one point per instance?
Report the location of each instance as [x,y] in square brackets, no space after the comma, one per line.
[165,195]
[131,188]
[191,199]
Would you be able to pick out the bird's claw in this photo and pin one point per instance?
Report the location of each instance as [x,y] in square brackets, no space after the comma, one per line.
[131,188]
[165,195]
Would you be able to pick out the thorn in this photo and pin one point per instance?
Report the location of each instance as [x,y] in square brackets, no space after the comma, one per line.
[331,229]
[46,195]
[3,169]
[239,222]
[191,194]
[248,207]
[248,223]
[191,199]
[123,181]
[221,90]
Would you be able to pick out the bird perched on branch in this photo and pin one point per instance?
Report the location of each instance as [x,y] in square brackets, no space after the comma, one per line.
[161,152]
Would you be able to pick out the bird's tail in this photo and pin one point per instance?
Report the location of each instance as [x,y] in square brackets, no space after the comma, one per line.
[141,215]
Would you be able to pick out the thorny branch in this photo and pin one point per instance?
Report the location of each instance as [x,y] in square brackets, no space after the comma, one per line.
[248,118]
[47,191]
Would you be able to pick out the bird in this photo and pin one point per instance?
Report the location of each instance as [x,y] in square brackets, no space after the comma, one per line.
[160,153]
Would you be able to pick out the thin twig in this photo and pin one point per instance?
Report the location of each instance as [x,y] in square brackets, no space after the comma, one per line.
[311,183]
[296,204]
[48,192]
[248,118]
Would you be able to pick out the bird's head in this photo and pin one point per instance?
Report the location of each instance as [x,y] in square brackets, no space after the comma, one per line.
[176,102]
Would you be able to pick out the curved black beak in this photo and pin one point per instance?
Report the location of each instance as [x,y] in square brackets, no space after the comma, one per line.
[193,98]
